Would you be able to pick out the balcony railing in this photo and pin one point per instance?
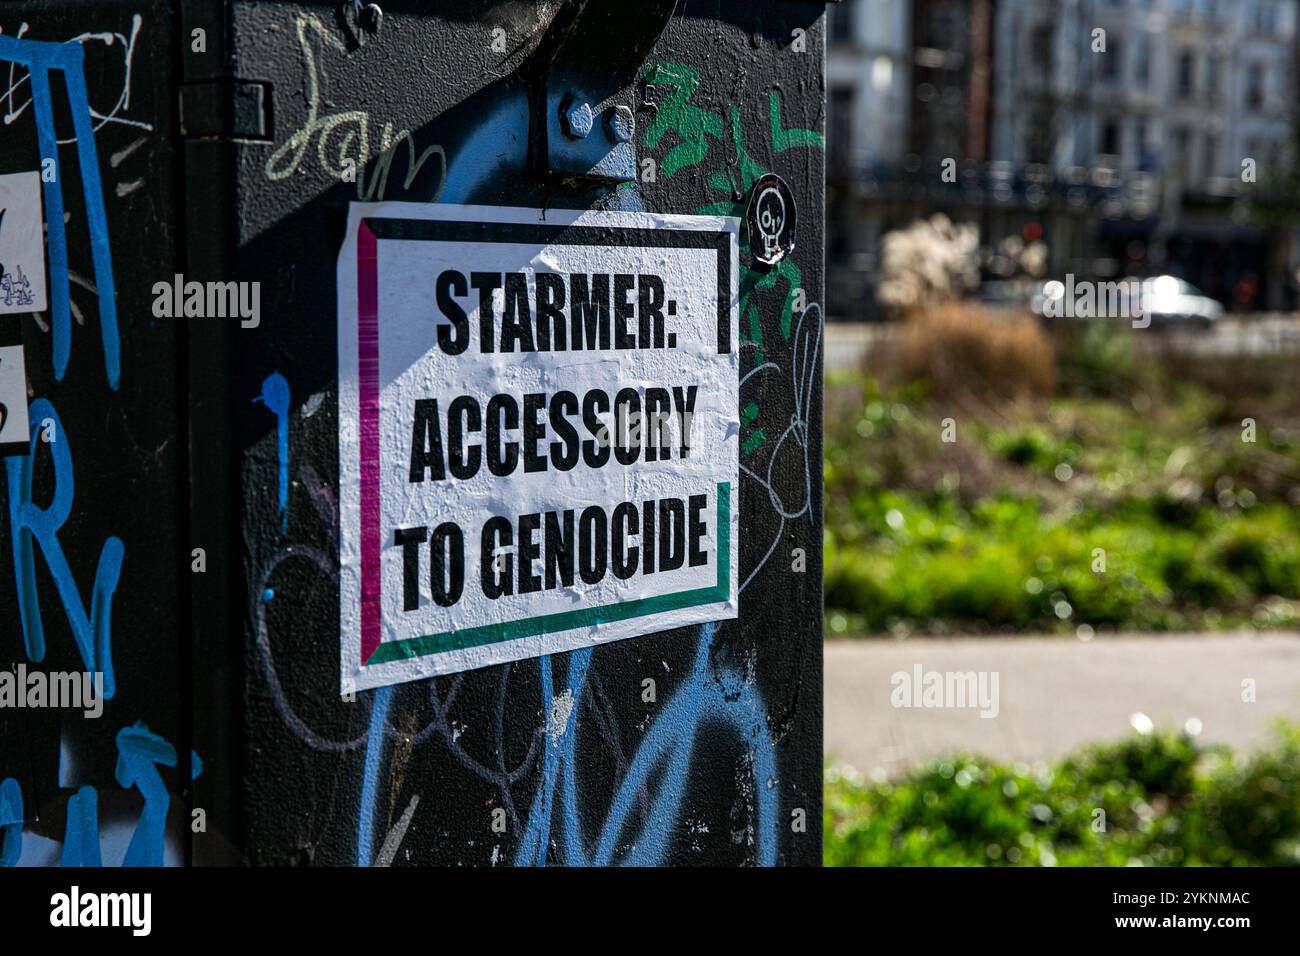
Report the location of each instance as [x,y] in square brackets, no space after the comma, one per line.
[1029,185]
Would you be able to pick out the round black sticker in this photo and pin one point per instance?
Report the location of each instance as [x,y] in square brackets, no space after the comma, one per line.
[770,220]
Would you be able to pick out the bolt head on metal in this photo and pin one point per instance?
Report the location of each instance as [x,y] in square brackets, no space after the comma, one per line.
[620,124]
[576,118]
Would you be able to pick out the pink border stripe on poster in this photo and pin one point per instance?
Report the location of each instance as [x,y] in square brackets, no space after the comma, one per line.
[368,407]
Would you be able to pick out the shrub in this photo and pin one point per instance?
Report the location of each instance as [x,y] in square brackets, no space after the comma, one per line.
[1254,811]
[974,355]
[1101,359]
[999,529]
[930,261]
[1166,800]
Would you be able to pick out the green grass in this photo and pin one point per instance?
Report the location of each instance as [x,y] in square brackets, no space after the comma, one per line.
[1157,800]
[1137,506]
[1003,564]
[1148,493]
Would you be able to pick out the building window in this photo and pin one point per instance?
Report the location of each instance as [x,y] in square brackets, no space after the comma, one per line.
[1112,61]
[841,15]
[1186,74]
[839,138]
[1142,61]
[1041,41]
[1211,158]
[1255,86]
[1265,18]
[1110,138]
[1182,158]
[1213,70]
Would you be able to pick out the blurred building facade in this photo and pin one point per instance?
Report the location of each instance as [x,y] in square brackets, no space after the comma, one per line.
[1133,136]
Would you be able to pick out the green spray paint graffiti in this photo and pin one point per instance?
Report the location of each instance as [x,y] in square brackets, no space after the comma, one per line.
[697,131]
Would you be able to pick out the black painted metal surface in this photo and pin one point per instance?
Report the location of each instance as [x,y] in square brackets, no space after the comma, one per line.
[119,564]
[440,104]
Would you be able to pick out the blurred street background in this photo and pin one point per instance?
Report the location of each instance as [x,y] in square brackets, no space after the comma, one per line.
[1093,499]
[1066,157]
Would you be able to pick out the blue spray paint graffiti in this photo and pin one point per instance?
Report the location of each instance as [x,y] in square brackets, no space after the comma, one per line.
[370,778]
[30,524]
[703,699]
[499,142]
[11,822]
[712,695]
[559,750]
[81,835]
[40,57]
[139,754]
[723,698]
[275,396]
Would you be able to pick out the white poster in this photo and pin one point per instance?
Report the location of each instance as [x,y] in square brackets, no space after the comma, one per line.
[538,433]
[22,244]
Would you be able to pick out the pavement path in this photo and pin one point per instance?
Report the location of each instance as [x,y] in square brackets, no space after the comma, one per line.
[1055,694]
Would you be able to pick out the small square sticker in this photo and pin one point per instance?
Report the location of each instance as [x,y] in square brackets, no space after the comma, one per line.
[15,434]
[22,244]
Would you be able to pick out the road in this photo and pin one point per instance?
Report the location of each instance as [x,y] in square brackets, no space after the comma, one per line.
[1055,694]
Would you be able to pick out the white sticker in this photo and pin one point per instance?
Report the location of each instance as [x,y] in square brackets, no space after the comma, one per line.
[22,244]
[15,436]
[538,433]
